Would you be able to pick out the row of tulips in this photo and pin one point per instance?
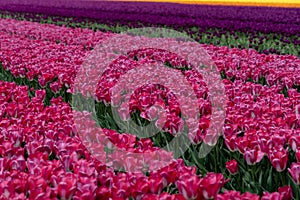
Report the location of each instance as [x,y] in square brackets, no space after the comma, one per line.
[43,157]
[261,122]
[280,70]
[49,32]
[42,60]
[268,42]
[246,65]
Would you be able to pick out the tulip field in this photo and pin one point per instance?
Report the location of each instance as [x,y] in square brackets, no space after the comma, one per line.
[59,136]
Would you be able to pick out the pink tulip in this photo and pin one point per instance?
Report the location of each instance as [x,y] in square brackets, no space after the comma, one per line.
[156,185]
[279,159]
[295,172]
[286,192]
[294,142]
[188,186]
[211,184]
[253,156]
[232,166]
